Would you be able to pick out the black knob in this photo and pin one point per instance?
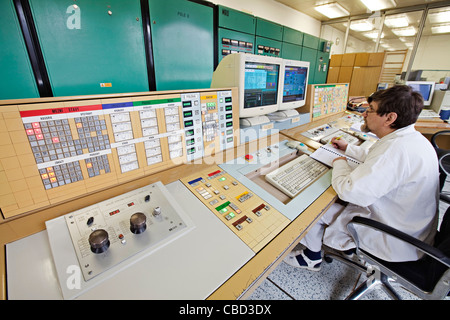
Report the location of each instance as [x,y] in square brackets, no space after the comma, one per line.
[138,223]
[99,241]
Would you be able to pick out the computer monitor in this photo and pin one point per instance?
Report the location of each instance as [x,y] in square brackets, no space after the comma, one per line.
[294,74]
[258,79]
[295,84]
[425,88]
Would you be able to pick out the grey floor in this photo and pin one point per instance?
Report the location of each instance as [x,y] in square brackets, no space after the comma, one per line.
[333,282]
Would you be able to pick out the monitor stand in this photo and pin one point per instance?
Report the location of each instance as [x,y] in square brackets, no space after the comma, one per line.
[283,114]
[253,121]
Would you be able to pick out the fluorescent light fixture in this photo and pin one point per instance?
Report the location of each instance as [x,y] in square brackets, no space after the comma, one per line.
[404,32]
[376,5]
[397,21]
[443,28]
[439,17]
[332,10]
[361,25]
[372,34]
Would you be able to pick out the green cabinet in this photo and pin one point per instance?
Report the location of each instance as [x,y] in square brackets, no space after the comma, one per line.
[236,20]
[322,63]
[183,44]
[291,51]
[236,32]
[292,36]
[17,79]
[310,55]
[268,29]
[92,47]
[231,41]
[268,47]
[311,41]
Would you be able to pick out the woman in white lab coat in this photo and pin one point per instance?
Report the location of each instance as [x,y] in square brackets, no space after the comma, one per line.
[397,184]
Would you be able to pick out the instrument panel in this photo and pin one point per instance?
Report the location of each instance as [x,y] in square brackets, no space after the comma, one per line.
[251,218]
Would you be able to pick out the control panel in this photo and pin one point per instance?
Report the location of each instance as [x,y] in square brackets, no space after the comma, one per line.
[208,123]
[252,219]
[109,232]
[59,149]
[320,132]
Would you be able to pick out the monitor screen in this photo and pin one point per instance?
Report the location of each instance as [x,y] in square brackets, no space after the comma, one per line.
[423,89]
[295,82]
[260,84]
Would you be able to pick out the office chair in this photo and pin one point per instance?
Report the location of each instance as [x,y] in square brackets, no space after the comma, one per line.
[443,156]
[428,277]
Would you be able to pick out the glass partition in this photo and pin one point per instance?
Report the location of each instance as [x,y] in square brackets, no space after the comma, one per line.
[431,61]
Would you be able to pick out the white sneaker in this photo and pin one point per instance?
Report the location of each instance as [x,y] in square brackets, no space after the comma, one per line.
[312,265]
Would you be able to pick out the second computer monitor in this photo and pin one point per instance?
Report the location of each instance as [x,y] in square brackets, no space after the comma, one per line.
[425,88]
[295,84]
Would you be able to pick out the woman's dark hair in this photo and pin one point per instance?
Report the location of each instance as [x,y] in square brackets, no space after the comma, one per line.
[402,100]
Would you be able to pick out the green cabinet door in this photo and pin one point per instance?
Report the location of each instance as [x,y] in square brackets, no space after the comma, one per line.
[183,44]
[291,51]
[310,55]
[16,75]
[92,47]
[323,59]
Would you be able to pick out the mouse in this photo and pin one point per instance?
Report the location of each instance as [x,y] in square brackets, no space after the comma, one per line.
[297,145]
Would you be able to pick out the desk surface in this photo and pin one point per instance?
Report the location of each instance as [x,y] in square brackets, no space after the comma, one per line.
[246,274]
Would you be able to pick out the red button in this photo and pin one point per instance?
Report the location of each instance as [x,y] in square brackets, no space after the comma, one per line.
[248,157]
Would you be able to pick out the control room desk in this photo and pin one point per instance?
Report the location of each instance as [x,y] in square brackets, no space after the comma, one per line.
[427,127]
[242,282]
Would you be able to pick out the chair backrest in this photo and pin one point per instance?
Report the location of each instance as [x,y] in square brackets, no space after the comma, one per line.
[444,232]
[443,156]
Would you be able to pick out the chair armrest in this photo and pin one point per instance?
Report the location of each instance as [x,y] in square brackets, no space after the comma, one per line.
[433,137]
[420,245]
[444,197]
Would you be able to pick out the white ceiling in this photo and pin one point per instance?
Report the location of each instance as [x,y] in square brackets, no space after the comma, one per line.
[390,40]
[355,7]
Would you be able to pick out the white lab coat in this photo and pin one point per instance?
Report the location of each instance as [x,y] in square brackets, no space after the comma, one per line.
[398,185]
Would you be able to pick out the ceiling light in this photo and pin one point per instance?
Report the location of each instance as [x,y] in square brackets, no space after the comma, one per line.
[397,21]
[361,25]
[439,17]
[376,5]
[443,28]
[332,10]
[372,34]
[404,32]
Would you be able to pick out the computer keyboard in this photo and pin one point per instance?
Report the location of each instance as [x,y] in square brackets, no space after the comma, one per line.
[293,177]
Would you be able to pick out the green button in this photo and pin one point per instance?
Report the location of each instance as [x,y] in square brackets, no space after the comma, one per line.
[223,210]
[222,179]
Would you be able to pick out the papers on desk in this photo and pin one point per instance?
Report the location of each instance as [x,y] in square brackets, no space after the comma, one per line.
[327,153]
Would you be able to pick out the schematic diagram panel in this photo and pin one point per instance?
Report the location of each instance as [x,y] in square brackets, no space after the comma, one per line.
[59,150]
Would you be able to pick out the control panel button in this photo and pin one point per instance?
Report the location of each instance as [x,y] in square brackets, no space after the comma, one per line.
[138,223]
[99,241]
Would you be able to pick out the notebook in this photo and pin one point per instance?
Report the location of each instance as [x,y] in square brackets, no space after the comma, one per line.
[327,153]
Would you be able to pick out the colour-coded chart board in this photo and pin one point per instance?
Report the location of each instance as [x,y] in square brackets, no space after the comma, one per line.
[61,149]
[329,98]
